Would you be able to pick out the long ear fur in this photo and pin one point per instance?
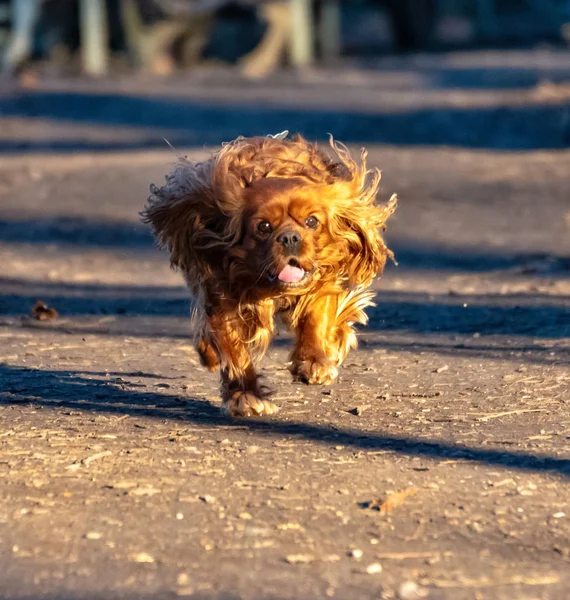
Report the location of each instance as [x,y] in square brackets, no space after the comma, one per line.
[193,215]
[357,219]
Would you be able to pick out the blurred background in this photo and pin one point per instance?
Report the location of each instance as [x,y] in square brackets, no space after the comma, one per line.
[464,104]
[160,36]
[394,71]
[98,37]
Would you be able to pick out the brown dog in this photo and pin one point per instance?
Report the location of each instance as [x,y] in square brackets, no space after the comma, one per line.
[266,227]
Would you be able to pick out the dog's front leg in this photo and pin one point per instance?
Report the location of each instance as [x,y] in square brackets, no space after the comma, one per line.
[242,395]
[314,358]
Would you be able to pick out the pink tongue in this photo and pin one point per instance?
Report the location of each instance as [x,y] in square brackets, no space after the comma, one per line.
[291,274]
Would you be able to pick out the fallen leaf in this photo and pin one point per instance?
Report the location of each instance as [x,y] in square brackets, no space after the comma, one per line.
[43,312]
[388,504]
[396,499]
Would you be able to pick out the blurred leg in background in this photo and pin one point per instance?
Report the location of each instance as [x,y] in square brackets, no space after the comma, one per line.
[270,52]
[290,32]
[25,14]
[163,34]
[94,36]
[154,28]
[292,29]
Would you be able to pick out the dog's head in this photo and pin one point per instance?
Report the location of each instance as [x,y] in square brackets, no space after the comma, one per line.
[272,216]
[285,232]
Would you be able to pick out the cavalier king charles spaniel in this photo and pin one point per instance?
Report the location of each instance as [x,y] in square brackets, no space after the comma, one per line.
[273,227]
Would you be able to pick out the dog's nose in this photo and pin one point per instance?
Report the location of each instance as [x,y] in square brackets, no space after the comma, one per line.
[290,240]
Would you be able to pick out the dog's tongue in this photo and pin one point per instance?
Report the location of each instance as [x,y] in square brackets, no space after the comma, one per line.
[291,274]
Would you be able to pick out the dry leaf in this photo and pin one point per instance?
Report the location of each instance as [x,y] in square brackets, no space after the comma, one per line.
[43,312]
[396,499]
[387,505]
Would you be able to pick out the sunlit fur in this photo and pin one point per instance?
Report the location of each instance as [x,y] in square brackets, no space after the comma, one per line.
[207,215]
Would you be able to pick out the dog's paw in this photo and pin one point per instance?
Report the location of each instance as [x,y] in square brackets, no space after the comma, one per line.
[247,404]
[314,370]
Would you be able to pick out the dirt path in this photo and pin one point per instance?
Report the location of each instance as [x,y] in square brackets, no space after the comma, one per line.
[119,478]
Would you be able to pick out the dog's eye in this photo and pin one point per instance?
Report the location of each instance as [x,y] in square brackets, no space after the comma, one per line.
[264,227]
[311,222]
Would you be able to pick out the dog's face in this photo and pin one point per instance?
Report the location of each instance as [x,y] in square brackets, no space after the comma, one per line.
[268,217]
[286,233]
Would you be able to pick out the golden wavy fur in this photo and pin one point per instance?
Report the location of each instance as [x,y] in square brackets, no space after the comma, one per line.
[273,227]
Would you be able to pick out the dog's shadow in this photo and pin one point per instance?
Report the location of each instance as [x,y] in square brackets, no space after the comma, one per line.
[111,393]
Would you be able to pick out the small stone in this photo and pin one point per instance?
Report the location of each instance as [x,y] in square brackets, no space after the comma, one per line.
[245,516]
[93,535]
[374,568]
[558,515]
[477,527]
[356,553]
[359,410]
[207,499]
[441,369]
[179,516]
[141,557]
[410,590]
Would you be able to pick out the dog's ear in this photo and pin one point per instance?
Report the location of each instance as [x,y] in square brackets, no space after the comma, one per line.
[356,218]
[367,251]
[188,217]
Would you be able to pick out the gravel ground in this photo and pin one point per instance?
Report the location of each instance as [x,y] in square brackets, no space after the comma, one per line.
[437,467]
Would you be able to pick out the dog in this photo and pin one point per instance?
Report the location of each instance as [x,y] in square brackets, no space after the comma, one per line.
[273,227]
